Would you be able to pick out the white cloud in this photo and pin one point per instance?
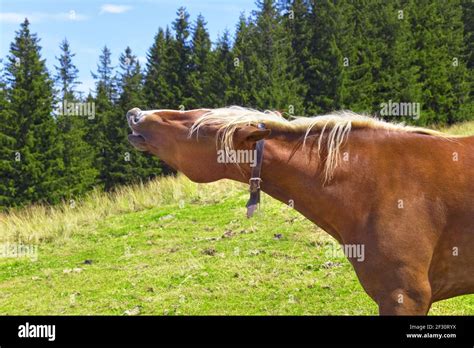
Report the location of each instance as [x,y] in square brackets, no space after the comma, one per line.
[69,16]
[36,17]
[11,17]
[111,8]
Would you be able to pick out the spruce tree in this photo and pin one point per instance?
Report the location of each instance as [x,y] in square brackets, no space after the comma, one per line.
[7,148]
[38,162]
[275,83]
[78,175]
[199,70]
[297,26]
[157,91]
[221,72]
[104,101]
[105,74]
[66,72]
[241,74]
[178,53]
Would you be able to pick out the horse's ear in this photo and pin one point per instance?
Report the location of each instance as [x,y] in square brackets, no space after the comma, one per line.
[252,133]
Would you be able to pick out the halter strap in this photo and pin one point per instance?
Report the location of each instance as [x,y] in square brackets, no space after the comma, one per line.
[255,178]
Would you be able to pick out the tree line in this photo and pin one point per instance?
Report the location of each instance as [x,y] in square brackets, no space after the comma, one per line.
[301,57]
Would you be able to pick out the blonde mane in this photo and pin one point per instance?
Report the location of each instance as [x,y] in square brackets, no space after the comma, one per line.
[338,125]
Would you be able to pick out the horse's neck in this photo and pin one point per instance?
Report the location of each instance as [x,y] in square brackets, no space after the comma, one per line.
[291,177]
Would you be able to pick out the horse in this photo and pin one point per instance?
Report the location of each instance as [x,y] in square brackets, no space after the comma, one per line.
[403,193]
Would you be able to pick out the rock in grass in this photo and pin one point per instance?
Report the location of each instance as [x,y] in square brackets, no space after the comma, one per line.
[167,217]
[330,264]
[209,251]
[228,234]
[75,270]
[256,252]
[133,311]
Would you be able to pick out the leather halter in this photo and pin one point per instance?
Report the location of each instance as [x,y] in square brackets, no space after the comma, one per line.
[255,178]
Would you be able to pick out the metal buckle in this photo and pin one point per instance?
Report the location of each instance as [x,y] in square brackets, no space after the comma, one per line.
[255,184]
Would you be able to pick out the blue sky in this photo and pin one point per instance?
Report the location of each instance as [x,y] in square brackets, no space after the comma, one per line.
[91,24]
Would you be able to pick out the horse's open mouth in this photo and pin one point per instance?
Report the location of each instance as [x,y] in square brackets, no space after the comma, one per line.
[136,136]
[137,140]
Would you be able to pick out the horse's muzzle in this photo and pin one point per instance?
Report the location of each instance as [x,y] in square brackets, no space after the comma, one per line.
[134,115]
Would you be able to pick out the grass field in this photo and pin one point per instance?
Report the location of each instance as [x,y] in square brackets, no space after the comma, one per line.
[172,247]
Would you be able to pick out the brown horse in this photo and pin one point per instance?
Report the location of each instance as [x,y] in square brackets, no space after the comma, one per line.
[403,193]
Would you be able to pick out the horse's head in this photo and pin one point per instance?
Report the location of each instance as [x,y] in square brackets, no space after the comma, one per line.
[167,135]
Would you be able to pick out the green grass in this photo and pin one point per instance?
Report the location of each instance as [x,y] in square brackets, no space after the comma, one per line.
[173,247]
[466,128]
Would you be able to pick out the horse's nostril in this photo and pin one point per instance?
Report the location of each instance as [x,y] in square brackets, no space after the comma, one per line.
[134,115]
